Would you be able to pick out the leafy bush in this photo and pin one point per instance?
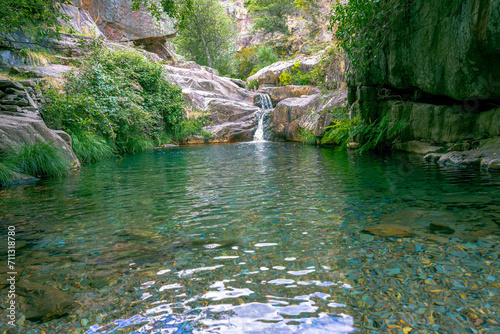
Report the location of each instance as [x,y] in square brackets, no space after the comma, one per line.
[120,96]
[251,59]
[296,77]
[285,78]
[362,27]
[191,126]
[40,159]
[307,137]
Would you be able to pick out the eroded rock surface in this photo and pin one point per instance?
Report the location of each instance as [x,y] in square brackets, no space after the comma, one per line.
[20,121]
[270,74]
[312,113]
[230,107]
[278,94]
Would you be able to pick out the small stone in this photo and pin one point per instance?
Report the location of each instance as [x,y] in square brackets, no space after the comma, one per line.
[363,237]
[440,228]
[390,230]
[84,322]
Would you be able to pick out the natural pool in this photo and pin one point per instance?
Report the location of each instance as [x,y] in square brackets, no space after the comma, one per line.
[261,238]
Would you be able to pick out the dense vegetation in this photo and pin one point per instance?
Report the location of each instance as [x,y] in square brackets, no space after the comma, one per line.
[208,36]
[362,26]
[118,101]
[36,17]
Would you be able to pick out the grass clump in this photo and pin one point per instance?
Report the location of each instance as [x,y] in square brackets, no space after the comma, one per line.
[39,159]
[7,173]
[88,147]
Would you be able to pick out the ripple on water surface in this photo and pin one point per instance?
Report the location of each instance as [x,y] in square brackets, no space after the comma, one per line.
[262,238]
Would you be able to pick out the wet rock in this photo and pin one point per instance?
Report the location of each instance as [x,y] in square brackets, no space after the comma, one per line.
[312,113]
[433,157]
[440,228]
[44,302]
[416,146]
[390,230]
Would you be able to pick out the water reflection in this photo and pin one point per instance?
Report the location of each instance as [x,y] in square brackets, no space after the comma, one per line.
[258,238]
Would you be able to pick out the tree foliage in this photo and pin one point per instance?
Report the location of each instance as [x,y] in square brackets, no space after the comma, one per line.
[362,26]
[208,35]
[36,17]
[271,15]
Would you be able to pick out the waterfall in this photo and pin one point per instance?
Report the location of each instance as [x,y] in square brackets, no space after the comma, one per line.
[265,105]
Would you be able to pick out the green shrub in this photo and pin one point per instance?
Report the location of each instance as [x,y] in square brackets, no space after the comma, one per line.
[120,96]
[285,78]
[88,147]
[251,59]
[252,84]
[40,159]
[189,127]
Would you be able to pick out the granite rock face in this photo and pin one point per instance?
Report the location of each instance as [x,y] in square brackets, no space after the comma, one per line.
[119,23]
[312,113]
[442,47]
[284,92]
[270,74]
[20,120]
[439,72]
[230,107]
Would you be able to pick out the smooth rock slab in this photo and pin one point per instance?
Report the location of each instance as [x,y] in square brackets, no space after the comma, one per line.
[390,230]
[43,301]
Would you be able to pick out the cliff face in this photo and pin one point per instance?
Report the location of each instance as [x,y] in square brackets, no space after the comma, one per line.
[443,47]
[439,73]
[119,23]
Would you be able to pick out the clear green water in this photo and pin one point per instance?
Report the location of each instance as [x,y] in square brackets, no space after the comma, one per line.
[262,238]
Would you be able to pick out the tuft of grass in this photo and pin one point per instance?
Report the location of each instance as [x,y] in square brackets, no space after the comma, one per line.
[134,145]
[40,159]
[89,147]
[7,173]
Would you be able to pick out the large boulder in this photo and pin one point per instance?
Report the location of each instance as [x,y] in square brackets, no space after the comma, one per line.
[312,113]
[270,74]
[278,94]
[230,107]
[119,22]
[199,86]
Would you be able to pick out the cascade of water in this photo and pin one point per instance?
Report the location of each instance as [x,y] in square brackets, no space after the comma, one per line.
[266,105]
